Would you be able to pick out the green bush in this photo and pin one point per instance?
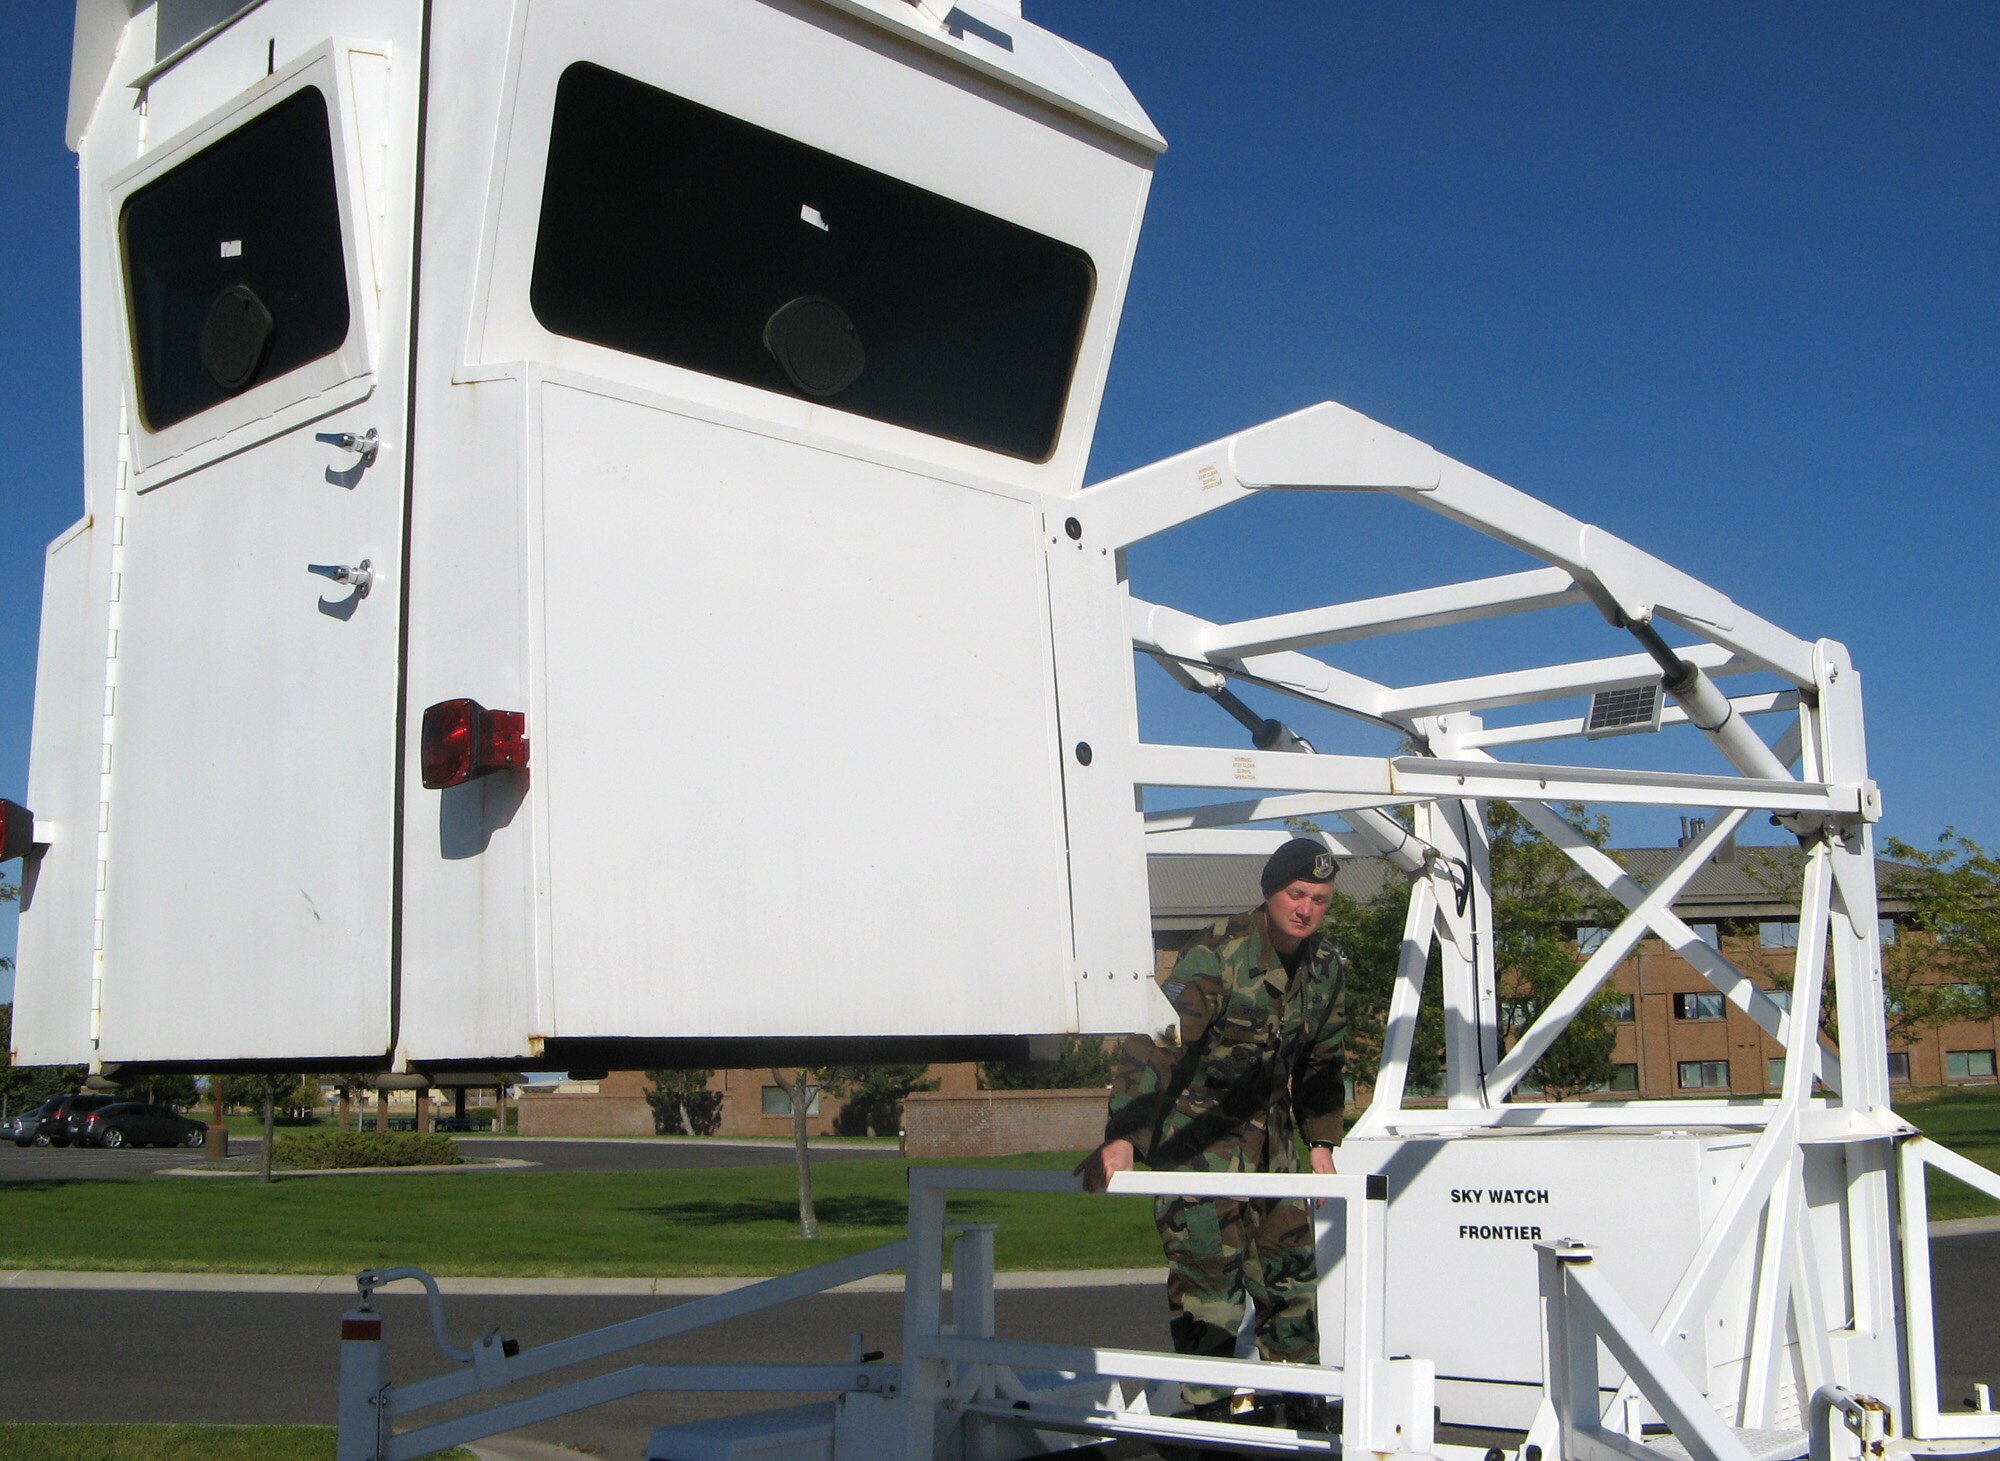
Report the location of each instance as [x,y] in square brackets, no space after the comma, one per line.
[328,1149]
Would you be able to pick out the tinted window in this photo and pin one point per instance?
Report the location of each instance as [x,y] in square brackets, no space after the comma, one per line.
[234,270]
[678,233]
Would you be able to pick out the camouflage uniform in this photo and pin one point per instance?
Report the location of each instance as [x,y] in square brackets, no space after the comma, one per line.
[1259,1049]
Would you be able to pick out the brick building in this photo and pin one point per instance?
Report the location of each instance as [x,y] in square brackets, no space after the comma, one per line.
[749,1103]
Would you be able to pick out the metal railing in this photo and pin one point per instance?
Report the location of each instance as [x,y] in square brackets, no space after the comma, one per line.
[956,1373]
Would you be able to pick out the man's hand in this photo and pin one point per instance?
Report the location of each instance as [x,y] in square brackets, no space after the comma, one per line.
[1322,1160]
[1100,1166]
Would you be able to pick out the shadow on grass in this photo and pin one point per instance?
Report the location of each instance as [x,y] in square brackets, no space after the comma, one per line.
[850,1211]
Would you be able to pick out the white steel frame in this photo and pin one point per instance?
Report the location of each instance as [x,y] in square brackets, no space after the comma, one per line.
[1813,780]
[958,1372]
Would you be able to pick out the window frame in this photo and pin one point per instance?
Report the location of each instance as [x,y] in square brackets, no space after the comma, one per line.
[1093,277]
[765,1103]
[1698,999]
[1786,935]
[282,404]
[1965,1058]
[1704,1066]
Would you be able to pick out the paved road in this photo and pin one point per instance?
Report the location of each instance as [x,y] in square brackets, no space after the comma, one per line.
[188,1357]
[183,1356]
[80,1164]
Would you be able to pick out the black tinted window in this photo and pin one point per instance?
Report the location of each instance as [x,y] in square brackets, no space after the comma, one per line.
[234,270]
[675,232]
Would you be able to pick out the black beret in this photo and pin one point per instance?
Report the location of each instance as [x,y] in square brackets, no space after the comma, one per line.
[1302,859]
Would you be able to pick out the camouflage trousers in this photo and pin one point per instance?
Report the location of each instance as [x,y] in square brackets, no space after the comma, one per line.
[1223,1254]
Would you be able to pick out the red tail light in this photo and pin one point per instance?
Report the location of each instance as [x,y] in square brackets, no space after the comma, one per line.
[17,830]
[463,739]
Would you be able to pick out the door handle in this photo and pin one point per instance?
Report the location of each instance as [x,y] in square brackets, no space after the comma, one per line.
[358,576]
[365,445]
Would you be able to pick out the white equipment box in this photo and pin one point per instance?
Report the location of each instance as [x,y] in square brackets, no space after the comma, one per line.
[1467,1211]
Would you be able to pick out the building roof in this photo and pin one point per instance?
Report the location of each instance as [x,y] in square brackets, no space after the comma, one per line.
[1753,882]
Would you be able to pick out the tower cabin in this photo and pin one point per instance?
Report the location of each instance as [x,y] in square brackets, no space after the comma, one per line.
[574,528]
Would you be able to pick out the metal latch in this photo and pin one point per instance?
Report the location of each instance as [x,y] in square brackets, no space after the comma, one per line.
[358,576]
[365,445]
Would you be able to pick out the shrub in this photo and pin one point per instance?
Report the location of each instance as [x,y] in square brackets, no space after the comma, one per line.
[329,1149]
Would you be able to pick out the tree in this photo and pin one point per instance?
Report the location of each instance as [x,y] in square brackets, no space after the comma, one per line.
[801,1089]
[1953,972]
[874,1095]
[1085,1063]
[1950,969]
[1539,901]
[1370,935]
[682,1101]
[349,1084]
[290,1094]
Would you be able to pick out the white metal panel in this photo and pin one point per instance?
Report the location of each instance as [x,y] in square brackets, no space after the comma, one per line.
[1465,1215]
[838,84]
[252,788]
[1107,861]
[59,889]
[471,913]
[794,739]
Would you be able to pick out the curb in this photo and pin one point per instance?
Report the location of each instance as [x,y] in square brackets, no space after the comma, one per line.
[285,1174]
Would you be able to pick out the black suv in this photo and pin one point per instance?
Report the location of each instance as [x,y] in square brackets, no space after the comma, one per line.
[63,1120]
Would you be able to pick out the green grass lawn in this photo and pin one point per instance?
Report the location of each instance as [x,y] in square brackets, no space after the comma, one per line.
[732,1220]
[726,1221]
[1967,1120]
[38,1441]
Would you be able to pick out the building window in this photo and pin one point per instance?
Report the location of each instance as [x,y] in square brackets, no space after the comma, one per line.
[1778,933]
[777,1101]
[684,235]
[1774,1072]
[1698,1006]
[235,272]
[1887,927]
[1782,998]
[1968,1065]
[1590,938]
[1708,934]
[1899,1065]
[1624,1077]
[1622,1007]
[1704,1075]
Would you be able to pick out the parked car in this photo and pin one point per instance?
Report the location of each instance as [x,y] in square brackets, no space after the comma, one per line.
[133,1123]
[59,1123]
[22,1129]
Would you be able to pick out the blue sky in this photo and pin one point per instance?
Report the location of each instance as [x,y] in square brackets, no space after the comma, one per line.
[1721,278]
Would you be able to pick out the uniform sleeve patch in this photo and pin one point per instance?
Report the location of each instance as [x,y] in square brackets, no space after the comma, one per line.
[1173,987]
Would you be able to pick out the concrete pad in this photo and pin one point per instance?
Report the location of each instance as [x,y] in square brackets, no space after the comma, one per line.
[520,1448]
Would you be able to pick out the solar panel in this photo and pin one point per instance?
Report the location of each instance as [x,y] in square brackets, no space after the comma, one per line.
[1624,710]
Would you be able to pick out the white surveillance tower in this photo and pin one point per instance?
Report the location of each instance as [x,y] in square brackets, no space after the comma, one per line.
[585,561]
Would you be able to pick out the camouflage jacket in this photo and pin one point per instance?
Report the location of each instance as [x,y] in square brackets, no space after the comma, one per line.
[1260,1050]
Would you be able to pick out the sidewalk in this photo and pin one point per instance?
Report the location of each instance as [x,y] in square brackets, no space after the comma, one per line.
[683,1288]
